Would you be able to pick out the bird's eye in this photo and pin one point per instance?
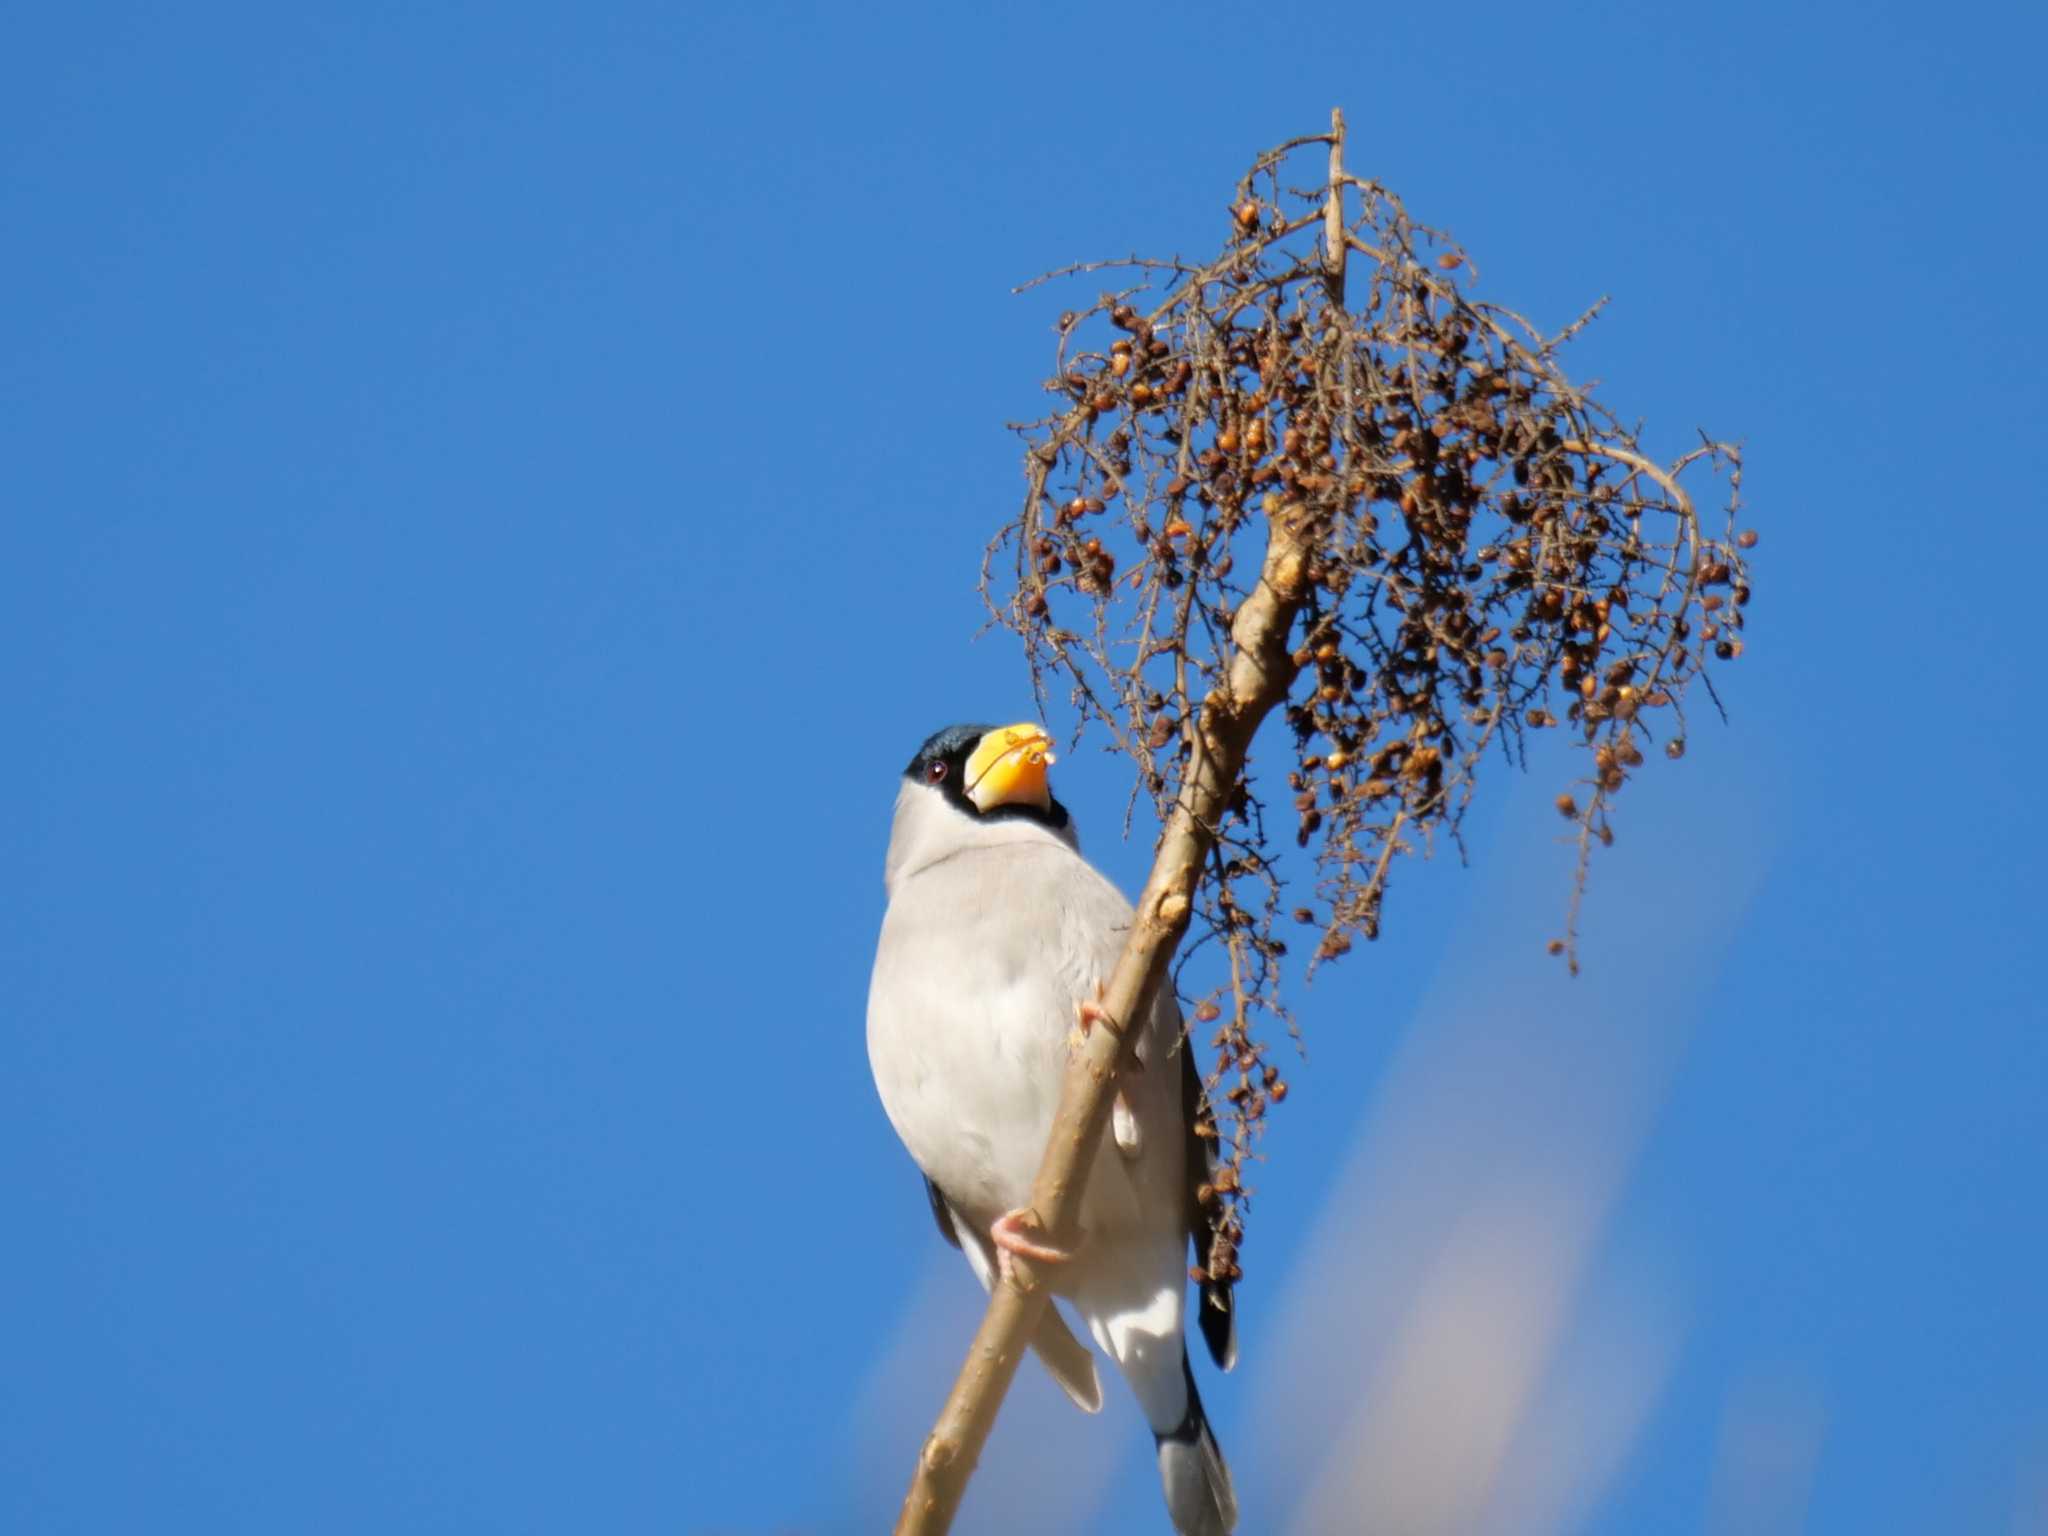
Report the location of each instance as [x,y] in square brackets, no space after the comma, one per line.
[934,771]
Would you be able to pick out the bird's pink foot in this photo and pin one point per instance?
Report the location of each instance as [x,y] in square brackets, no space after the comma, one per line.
[1092,1013]
[1018,1233]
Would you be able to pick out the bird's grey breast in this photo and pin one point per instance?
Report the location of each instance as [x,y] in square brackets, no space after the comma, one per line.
[983,960]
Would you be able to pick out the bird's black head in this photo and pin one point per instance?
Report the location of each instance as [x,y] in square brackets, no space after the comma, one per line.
[990,772]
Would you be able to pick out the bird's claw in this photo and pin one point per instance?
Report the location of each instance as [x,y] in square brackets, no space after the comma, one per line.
[1091,1012]
[1011,1237]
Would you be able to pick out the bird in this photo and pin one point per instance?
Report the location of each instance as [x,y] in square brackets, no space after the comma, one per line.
[996,943]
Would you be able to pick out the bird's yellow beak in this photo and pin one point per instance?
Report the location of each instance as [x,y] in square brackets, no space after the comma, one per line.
[1007,767]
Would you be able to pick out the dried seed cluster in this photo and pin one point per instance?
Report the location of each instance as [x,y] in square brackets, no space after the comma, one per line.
[1492,554]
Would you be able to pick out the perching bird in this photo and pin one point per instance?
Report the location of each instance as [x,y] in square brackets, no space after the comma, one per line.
[998,939]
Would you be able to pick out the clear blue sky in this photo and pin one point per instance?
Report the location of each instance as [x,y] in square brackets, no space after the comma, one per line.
[491,497]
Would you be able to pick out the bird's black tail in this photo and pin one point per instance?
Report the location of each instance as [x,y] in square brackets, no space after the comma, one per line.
[1191,1470]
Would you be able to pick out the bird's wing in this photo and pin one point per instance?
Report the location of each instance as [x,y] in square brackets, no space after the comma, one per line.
[1217,1310]
[941,1213]
[1155,1100]
[1065,1357]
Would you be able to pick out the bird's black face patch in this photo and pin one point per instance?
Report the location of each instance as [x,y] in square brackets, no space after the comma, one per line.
[944,754]
[941,764]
